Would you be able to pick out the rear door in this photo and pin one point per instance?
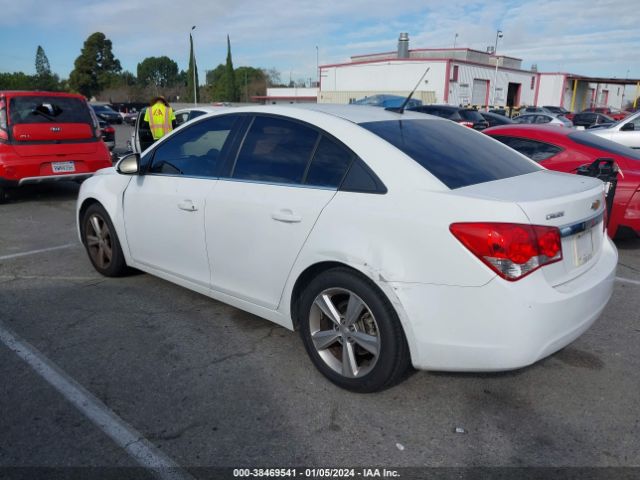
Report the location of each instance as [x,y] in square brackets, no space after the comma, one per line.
[259,217]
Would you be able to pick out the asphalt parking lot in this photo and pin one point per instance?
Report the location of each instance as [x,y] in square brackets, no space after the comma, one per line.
[208,385]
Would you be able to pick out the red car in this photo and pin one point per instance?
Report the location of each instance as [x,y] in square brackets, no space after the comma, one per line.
[609,112]
[47,136]
[565,150]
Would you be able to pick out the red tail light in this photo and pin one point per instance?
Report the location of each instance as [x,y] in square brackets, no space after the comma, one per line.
[4,135]
[511,250]
[467,124]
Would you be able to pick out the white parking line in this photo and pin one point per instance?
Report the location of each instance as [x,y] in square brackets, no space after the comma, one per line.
[120,432]
[41,250]
[628,280]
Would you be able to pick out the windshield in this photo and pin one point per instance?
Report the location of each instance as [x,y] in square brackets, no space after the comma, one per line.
[457,156]
[39,109]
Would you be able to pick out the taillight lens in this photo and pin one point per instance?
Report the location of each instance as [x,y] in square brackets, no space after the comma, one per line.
[467,124]
[4,134]
[511,250]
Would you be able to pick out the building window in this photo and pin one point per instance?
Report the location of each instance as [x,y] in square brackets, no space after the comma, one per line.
[533,82]
[454,76]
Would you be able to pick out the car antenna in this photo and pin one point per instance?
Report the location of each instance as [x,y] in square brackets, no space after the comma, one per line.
[401,108]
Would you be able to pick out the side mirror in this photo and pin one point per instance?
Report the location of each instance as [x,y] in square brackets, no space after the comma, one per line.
[129,165]
[627,127]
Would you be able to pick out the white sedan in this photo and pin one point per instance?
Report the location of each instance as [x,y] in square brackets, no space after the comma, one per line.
[387,239]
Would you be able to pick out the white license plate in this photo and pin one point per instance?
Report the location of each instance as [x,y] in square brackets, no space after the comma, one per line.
[63,167]
[583,247]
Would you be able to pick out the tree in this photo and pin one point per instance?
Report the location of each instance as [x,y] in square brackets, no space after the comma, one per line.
[158,71]
[273,77]
[230,78]
[192,74]
[251,82]
[216,86]
[44,79]
[42,63]
[16,81]
[96,67]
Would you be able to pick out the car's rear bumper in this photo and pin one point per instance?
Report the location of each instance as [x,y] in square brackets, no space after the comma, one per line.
[503,325]
[7,183]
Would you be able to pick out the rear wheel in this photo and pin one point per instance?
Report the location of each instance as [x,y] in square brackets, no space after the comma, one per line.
[352,333]
[101,241]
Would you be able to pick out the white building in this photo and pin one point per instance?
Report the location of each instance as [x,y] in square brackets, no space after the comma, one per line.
[281,95]
[462,76]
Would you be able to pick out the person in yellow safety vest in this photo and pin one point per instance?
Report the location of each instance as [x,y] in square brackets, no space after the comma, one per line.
[160,117]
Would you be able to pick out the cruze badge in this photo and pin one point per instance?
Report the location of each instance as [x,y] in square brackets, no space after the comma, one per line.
[55,129]
[595,205]
[551,216]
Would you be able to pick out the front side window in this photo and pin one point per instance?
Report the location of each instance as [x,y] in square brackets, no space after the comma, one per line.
[536,151]
[542,119]
[457,156]
[524,119]
[196,150]
[275,150]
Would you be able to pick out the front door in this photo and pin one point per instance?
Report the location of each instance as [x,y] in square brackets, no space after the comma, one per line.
[164,208]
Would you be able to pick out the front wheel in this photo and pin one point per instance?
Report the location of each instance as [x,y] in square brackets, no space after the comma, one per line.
[101,242]
[351,332]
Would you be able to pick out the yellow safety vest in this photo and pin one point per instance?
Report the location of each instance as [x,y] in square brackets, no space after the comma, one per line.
[159,117]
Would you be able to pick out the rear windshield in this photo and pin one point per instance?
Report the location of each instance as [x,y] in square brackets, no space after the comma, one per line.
[42,109]
[103,108]
[471,115]
[456,155]
[594,141]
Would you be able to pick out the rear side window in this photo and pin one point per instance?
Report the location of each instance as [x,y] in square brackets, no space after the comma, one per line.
[456,155]
[43,109]
[536,151]
[275,150]
[330,162]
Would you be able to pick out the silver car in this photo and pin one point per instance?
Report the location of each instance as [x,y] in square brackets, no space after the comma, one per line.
[625,131]
[543,118]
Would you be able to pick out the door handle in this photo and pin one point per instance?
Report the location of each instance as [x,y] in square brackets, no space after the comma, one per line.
[285,215]
[187,206]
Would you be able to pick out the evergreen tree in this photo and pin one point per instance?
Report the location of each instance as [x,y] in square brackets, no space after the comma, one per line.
[44,79]
[190,75]
[42,63]
[230,78]
[96,67]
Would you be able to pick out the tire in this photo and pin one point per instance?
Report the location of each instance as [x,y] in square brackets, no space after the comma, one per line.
[351,332]
[4,196]
[101,242]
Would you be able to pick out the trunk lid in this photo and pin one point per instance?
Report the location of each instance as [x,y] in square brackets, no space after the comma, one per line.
[575,204]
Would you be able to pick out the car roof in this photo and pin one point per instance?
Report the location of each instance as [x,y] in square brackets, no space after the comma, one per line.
[39,93]
[352,113]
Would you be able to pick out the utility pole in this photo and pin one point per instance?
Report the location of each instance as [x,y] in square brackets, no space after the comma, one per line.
[193,62]
[454,40]
[495,76]
[317,67]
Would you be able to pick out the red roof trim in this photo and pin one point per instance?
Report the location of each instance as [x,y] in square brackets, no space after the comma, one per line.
[441,60]
[433,50]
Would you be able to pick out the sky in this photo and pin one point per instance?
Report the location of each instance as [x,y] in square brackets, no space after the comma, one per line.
[587,37]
